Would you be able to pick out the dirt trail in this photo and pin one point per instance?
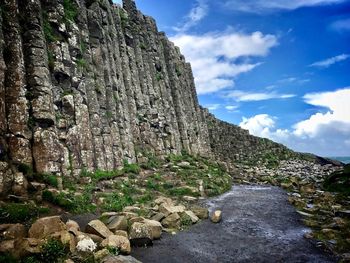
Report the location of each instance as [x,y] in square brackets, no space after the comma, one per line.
[259,225]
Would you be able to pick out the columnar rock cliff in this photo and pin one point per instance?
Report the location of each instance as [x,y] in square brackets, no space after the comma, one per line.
[88,84]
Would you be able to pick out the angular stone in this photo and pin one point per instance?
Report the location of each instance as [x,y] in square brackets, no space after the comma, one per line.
[44,227]
[120,259]
[96,227]
[118,223]
[200,212]
[119,242]
[140,234]
[158,217]
[156,228]
[216,216]
[171,221]
[192,216]
[12,231]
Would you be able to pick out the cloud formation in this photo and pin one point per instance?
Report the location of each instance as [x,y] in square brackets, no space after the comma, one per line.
[322,133]
[239,95]
[213,56]
[341,25]
[267,6]
[197,13]
[330,61]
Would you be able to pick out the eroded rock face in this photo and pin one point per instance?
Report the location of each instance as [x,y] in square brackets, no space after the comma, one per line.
[91,85]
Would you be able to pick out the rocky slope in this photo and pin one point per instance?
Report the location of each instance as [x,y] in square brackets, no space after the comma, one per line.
[89,84]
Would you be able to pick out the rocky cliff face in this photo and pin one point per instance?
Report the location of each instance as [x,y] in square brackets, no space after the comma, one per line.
[88,84]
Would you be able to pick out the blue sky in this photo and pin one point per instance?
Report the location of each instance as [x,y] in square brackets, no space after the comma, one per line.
[280,69]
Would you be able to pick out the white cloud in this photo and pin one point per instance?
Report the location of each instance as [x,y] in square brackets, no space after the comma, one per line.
[266,6]
[330,61]
[325,134]
[239,95]
[231,107]
[213,56]
[341,25]
[197,13]
[212,106]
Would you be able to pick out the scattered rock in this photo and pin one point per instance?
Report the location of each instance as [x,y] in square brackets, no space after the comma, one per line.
[101,254]
[156,228]
[44,227]
[96,227]
[120,259]
[121,233]
[200,212]
[140,234]
[118,223]
[192,216]
[158,217]
[216,216]
[172,221]
[119,242]
[12,231]
[86,244]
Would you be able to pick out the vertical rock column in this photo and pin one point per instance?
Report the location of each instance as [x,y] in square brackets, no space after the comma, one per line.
[47,150]
[18,132]
[6,175]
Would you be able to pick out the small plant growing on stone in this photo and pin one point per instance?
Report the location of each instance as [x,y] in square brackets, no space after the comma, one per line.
[159,76]
[53,251]
[70,11]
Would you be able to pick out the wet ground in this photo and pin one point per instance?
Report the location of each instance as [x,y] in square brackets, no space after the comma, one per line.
[259,225]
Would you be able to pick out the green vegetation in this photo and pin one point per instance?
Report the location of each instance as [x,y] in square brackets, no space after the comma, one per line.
[159,76]
[20,212]
[53,251]
[339,181]
[178,71]
[143,46]
[49,179]
[81,63]
[109,115]
[133,168]
[70,11]
[123,18]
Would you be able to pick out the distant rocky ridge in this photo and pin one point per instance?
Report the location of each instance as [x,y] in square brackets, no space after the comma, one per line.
[89,84]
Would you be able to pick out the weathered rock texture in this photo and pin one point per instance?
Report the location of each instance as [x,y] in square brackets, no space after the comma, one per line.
[88,84]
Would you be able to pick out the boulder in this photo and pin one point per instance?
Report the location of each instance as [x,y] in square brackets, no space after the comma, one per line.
[85,244]
[139,219]
[171,221]
[192,216]
[160,200]
[96,227]
[46,226]
[120,259]
[167,209]
[158,217]
[101,254]
[121,233]
[72,225]
[140,234]
[200,212]
[119,242]
[156,228]
[216,216]
[12,231]
[117,223]
[132,209]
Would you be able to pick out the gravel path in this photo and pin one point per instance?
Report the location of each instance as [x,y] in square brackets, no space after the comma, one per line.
[259,225]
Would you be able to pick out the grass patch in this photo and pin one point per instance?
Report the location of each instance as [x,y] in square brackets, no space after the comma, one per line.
[133,168]
[70,11]
[20,213]
[49,179]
